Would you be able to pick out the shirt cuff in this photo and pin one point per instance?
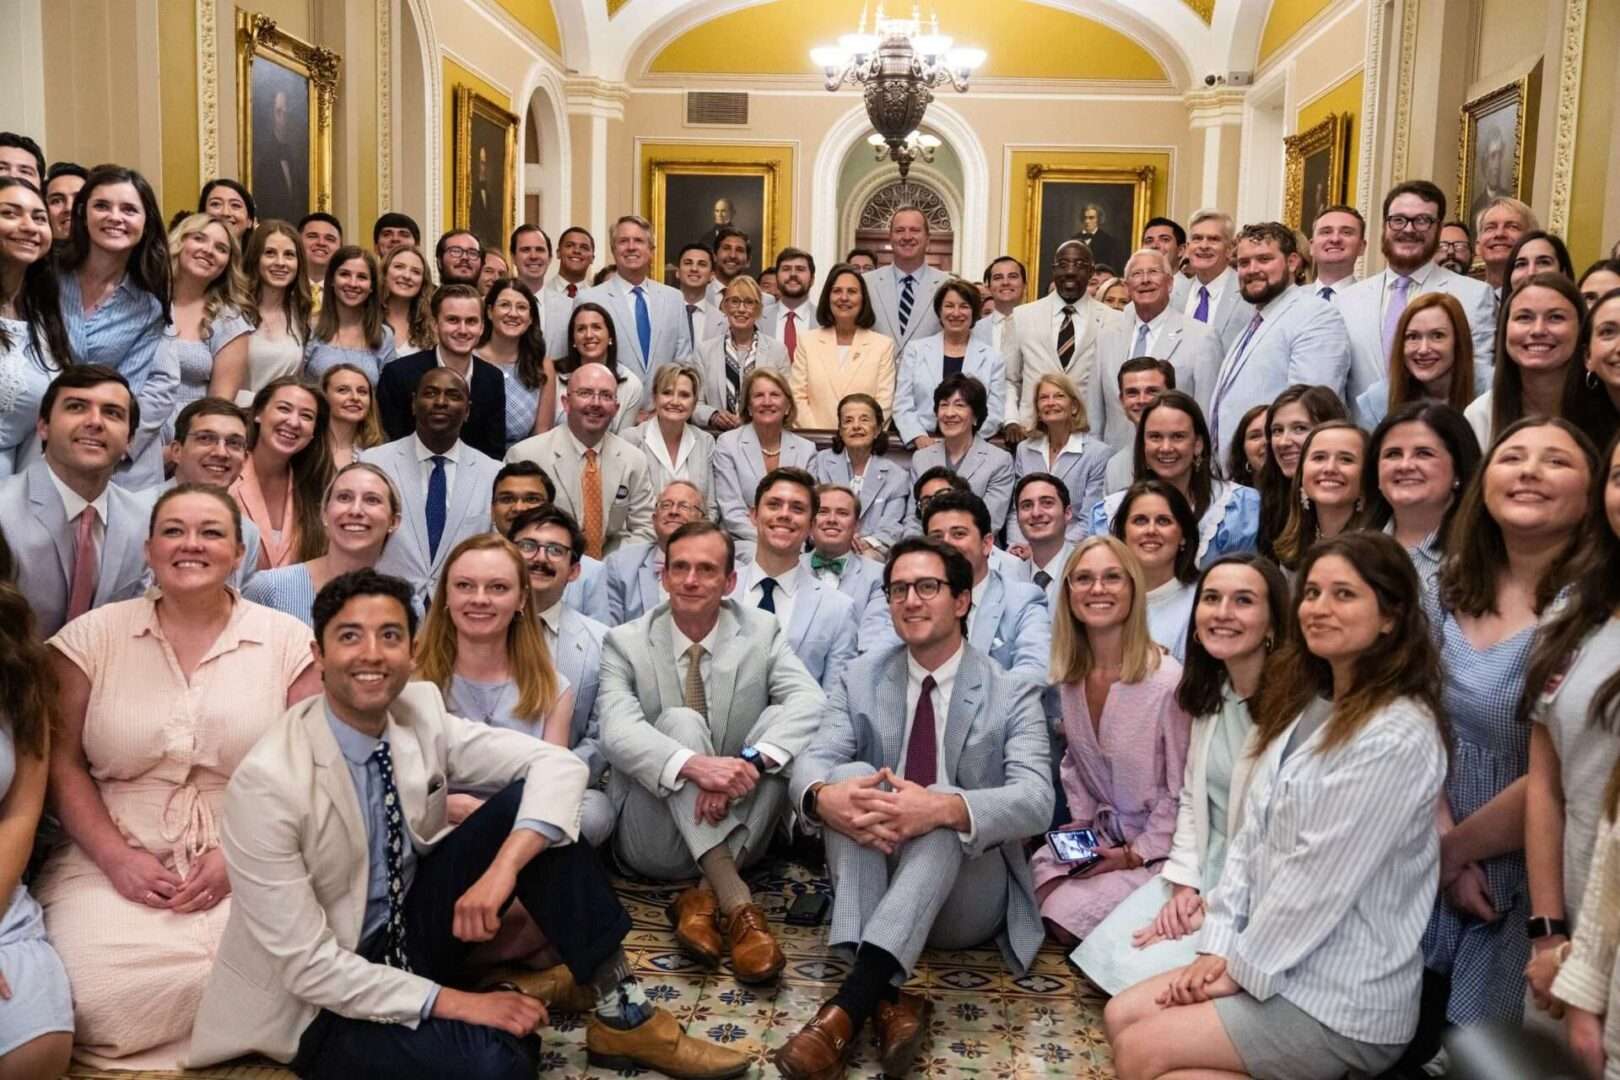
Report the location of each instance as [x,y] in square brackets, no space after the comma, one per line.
[670,779]
[972,834]
[1582,986]
[776,754]
[432,1000]
[554,836]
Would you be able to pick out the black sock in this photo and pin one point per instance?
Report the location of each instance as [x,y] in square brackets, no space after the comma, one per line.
[869,982]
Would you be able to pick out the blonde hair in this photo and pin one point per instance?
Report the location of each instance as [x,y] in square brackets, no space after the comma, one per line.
[1077,412]
[665,377]
[527,657]
[746,287]
[229,287]
[1071,649]
[775,377]
[370,431]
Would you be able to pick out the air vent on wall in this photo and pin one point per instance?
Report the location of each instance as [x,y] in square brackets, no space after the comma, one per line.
[716,107]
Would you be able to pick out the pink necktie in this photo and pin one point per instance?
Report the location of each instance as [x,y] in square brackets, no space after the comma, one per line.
[85,564]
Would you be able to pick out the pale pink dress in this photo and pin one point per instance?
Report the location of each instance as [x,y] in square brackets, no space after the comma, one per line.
[1125,782]
[161,752]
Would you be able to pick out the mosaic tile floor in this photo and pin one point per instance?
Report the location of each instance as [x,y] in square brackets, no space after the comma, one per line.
[986,1023]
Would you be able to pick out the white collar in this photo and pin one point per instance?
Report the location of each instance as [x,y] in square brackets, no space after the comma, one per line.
[73,503]
[944,673]
[788,582]
[453,455]
[580,448]
[552,618]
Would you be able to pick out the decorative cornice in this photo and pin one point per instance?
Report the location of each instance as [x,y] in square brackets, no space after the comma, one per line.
[1569,101]
[208,91]
[385,104]
[1221,107]
[1403,88]
[1371,101]
[588,95]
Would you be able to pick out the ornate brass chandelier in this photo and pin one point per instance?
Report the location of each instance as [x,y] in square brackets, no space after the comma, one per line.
[899,62]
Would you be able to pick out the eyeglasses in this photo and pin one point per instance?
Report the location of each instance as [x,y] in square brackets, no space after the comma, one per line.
[535,547]
[209,440]
[593,395]
[521,498]
[1111,580]
[740,302]
[1072,264]
[926,588]
[1455,245]
[1420,222]
[461,252]
[689,509]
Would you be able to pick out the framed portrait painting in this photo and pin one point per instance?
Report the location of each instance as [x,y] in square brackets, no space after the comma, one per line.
[1105,207]
[1316,173]
[285,91]
[1496,151]
[691,201]
[486,154]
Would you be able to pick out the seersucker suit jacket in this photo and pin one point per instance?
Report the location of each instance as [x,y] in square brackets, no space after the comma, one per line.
[579,659]
[885,493]
[35,526]
[861,580]
[998,758]
[824,628]
[1231,315]
[627,493]
[710,361]
[1362,306]
[555,310]
[587,594]
[633,587]
[987,469]
[922,367]
[1188,345]
[1012,626]
[883,285]
[296,851]
[665,310]
[1036,325]
[407,553]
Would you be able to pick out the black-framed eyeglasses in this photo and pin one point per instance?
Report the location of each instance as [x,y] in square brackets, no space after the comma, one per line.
[1456,245]
[1420,222]
[462,252]
[927,588]
[552,551]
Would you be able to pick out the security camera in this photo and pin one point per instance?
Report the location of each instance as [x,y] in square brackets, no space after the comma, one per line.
[1210,80]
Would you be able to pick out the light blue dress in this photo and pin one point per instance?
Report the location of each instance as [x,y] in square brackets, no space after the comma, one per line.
[288,589]
[24,375]
[322,356]
[41,1001]
[195,359]
[522,405]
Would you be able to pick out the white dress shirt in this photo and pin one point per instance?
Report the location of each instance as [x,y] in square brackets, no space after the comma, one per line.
[73,505]
[452,459]
[1217,289]
[998,326]
[551,627]
[978,604]
[1155,327]
[804,320]
[788,588]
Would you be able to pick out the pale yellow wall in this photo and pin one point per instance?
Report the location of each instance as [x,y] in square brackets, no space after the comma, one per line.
[1594,223]
[1343,99]
[1287,18]
[1509,32]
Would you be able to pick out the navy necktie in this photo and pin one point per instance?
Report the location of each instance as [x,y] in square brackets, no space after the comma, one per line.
[907,298]
[394,860]
[438,494]
[767,599]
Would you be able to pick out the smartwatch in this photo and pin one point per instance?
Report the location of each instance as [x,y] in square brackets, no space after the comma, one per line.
[752,755]
[1541,926]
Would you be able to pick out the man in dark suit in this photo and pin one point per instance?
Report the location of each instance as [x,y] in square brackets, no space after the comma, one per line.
[458,316]
[1105,247]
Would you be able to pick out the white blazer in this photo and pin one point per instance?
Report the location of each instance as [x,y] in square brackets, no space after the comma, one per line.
[693,461]
[1362,306]
[710,361]
[1037,331]
[922,367]
[821,380]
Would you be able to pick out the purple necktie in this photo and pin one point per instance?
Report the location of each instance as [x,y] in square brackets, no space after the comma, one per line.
[1201,313]
[1392,314]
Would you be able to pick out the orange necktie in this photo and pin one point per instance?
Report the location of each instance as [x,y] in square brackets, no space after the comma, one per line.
[592,480]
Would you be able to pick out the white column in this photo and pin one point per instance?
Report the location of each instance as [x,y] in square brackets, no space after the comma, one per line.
[1219,113]
[22,71]
[600,101]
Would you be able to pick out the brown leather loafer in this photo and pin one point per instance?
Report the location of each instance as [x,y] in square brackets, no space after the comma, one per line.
[695,913]
[902,1027]
[820,1049]
[660,1044]
[755,956]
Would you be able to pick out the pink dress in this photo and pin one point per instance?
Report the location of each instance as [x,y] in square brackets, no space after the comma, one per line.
[1124,781]
[161,751]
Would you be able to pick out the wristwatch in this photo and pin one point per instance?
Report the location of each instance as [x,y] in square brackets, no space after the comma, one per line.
[1541,926]
[752,755]
[810,803]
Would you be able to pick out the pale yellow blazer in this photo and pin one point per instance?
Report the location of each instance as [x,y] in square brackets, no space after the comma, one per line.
[820,381]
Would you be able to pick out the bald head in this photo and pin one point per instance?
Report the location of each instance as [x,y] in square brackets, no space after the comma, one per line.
[592,402]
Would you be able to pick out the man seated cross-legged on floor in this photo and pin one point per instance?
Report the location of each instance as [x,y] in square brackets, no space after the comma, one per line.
[355,905]
[702,704]
[930,769]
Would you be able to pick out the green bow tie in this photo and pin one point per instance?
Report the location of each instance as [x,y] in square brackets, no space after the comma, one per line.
[820,562]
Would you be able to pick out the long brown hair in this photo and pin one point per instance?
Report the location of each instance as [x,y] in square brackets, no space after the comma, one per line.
[527,657]
[1507,388]
[296,304]
[1204,678]
[1402,387]
[1303,527]
[1321,405]
[423,334]
[1476,550]
[371,313]
[1071,647]
[311,467]
[1400,663]
[27,680]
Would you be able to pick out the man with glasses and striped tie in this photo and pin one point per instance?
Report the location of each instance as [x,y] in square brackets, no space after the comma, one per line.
[930,769]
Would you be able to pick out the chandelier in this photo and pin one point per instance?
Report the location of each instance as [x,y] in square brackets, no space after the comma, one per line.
[899,62]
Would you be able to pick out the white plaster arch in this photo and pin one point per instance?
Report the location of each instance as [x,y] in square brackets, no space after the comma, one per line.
[850,130]
[427,63]
[855,200]
[551,118]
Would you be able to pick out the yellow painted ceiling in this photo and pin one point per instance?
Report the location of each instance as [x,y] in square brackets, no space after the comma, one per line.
[1204,8]
[538,17]
[613,6]
[1023,39]
[1286,19]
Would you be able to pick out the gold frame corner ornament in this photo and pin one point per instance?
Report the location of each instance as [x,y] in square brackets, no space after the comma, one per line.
[1333,135]
[468,103]
[659,170]
[258,35]
[1523,92]
[1037,175]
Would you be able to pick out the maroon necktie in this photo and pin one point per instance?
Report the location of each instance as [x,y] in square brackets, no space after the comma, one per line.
[790,336]
[922,752]
[573,291]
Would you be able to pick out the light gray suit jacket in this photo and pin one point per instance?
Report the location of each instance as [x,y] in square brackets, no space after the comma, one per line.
[1084,474]
[406,554]
[997,758]
[555,311]
[710,361]
[738,469]
[627,491]
[35,526]
[884,286]
[697,468]
[1229,318]
[824,628]
[1188,345]
[1036,327]
[922,366]
[770,321]
[861,581]
[667,312]
[632,582]
[987,469]
[885,493]
[1362,306]
[1012,626]
[579,659]
[587,594]
[757,691]
[1301,339]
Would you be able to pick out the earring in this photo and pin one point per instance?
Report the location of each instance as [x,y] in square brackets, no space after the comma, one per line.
[1358,504]
[1591,381]
[1268,643]
[1456,485]
[1304,501]
[1198,460]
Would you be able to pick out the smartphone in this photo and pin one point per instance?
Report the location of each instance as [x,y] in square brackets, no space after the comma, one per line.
[1075,847]
[808,909]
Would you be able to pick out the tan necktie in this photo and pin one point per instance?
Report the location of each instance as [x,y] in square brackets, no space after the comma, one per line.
[696,699]
[592,479]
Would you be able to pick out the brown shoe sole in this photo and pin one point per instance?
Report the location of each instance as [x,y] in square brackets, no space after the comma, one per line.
[697,952]
[625,1063]
[898,1061]
[832,1072]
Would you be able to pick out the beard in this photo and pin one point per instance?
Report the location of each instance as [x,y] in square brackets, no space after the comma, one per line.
[1455,265]
[1430,246]
[1272,290]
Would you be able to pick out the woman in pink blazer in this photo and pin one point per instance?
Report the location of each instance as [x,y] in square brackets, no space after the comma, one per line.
[845,356]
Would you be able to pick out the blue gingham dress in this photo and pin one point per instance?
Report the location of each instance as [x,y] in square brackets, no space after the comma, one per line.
[1489,750]
[521,405]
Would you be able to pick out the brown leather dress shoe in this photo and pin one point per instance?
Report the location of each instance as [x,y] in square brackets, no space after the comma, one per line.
[902,1027]
[755,956]
[695,914]
[820,1049]
[660,1044]
[555,986]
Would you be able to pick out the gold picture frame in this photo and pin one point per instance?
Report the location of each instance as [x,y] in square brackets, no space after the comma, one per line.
[1316,171]
[1495,152]
[487,132]
[1053,191]
[289,170]
[684,196]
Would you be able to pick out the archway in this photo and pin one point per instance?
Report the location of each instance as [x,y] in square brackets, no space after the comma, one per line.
[869,220]
[544,181]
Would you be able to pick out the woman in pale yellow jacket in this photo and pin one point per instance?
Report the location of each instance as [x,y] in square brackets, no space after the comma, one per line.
[845,356]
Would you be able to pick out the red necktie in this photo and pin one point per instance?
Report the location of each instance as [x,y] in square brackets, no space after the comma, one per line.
[921,752]
[790,336]
[85,564]
[573,291]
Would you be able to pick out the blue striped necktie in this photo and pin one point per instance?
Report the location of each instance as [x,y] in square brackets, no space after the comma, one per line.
[907,296]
